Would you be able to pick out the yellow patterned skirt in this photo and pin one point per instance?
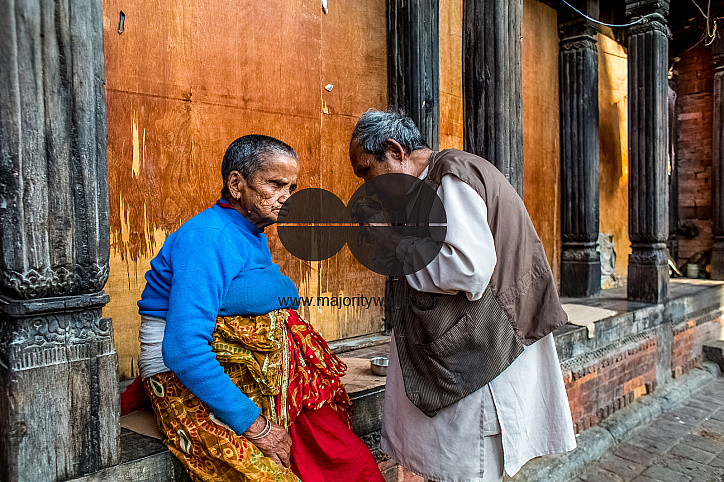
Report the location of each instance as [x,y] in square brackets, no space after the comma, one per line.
[278,361]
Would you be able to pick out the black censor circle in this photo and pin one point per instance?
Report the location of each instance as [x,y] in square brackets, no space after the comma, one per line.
[394,224]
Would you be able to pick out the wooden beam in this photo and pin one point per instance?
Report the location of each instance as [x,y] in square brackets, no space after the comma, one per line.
[413,63]
[493,84]
[648,113]
[578,69]
[59,402]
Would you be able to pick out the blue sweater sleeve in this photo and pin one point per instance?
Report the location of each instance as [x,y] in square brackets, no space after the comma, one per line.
[204,261]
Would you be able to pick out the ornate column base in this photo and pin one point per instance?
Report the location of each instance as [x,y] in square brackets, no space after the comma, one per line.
[648,274]
[717,258]
[59,401]
[580,271]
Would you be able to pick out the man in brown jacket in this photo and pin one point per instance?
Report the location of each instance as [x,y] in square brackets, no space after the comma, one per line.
[474,386]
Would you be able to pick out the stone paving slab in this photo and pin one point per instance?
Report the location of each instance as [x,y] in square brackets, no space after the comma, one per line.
[718,415]
[660,473]
[683,444]
[686,416]
[622,467]
[718,461]
[634,453]
[687,451]
[702,442]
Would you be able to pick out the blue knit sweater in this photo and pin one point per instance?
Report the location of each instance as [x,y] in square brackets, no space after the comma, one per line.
[217,263]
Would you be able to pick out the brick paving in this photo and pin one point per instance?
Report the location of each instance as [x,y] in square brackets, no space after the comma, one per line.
[684,444]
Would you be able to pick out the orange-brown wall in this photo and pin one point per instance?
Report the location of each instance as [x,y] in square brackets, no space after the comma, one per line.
[613,138]
[451,74]
[186,78]
[541,153]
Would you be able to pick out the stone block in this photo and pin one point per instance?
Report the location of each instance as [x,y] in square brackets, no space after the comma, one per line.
[686,416]
[597,474]
[634,453]
[701,442]
[580,278]
[625,469]
[657,442]
[718,461]
[144,459]
[659,473]
[648,283]
[714,350]
[690,468]
[687,451]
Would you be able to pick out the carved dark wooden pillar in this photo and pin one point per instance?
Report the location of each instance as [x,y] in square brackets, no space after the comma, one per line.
[648,59]
[578,70]
[413,63]
[717,168]
[59,401]
[492,84]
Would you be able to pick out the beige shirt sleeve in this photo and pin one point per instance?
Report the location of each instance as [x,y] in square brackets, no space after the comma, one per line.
[467,258]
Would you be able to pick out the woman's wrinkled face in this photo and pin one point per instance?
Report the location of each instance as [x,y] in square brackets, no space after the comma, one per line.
[260,198]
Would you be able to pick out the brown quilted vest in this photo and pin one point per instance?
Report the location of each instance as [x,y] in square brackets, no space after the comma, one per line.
[450,347]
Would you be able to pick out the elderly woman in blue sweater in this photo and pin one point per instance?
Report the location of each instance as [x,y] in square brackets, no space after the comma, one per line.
[242,388]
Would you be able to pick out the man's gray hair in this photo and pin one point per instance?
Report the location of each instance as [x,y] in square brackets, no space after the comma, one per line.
[375,127]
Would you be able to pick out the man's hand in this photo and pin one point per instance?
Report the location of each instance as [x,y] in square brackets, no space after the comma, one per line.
[364,209]
[276,444]
[380,235]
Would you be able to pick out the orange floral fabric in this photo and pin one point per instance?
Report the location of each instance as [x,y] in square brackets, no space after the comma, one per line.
[281,363]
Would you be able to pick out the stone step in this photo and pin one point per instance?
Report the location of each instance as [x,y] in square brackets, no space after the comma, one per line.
[714,351]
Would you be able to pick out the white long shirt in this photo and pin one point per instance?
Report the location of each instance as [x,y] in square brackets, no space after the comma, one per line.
[527,403]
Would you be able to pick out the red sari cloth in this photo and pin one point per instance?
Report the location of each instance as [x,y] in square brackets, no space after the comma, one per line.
[325,449]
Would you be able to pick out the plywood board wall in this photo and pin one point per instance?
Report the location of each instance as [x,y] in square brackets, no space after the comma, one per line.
[184,79]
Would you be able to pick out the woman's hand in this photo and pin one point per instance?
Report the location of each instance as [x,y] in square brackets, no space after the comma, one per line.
[276,444]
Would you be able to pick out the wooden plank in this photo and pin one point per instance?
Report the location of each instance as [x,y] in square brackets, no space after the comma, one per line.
[275,68]
[492,84]
[171,118]
[151,55]
[451,74]
[541,140]
[354,30]
[414,64]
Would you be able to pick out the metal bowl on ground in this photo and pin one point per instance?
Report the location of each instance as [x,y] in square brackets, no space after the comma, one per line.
[378,365]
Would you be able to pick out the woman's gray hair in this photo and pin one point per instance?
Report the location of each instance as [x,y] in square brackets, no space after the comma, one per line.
[375,127]
[247,155]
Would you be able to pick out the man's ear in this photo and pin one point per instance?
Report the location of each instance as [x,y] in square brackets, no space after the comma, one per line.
[395,149]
